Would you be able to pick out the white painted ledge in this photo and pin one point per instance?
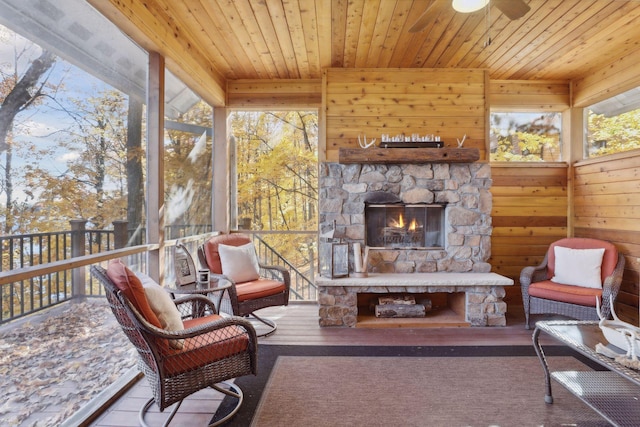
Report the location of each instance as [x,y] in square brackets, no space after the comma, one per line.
[419,279]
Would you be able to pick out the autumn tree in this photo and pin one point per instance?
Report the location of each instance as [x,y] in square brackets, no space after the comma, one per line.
[614,134]
[92,183]
[19,90]
[533,141]
[277,183]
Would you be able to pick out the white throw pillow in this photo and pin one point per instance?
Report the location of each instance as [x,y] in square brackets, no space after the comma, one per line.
[578,267]
[162,305]
[240,263]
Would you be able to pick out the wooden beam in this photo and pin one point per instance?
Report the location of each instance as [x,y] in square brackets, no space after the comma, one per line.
[408,155]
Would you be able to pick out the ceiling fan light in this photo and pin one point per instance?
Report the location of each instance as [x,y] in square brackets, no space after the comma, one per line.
[468,6]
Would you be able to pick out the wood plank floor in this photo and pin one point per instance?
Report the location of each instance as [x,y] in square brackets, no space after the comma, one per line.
[298,325]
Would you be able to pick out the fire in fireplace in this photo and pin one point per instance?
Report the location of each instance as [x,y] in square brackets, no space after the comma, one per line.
[398,225]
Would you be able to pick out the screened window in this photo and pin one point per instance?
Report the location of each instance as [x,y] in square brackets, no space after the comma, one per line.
[613,125]
[188,160]
[525,137]
[74,145]
[276,177]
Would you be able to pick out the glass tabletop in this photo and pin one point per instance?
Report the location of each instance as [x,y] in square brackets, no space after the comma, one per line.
[583,336]
[214,285]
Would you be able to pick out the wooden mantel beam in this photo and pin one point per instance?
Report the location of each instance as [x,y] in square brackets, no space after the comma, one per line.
[408,155]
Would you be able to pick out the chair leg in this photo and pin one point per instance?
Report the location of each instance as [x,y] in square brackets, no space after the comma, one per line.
[270,323]
[146,407]
[234,391]
[231,390]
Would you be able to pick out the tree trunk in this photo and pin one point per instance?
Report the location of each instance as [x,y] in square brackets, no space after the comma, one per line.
[22,95]
[135,183]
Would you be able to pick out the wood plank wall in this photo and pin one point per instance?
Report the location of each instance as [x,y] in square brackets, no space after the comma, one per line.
[274,94]
[527,95]
[607,191]
[607,206]
[530,206]
[370,102]
[530,201]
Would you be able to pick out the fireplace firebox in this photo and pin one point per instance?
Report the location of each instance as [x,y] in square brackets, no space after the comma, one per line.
[399,225]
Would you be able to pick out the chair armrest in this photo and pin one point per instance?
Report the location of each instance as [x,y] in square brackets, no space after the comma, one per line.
[611,286]
[221,277]
[284,273]
[186,305]
[533,274]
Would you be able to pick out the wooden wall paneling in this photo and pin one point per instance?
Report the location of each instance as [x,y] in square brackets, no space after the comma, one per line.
[371,102]
[274,94]
[607,206]
[338,31]
[529,213]
[525,95]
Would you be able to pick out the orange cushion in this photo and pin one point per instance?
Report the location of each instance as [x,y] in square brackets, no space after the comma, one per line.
[131,287]
[565,293]
[211,248]
[609,259]
[204,349]
[258,289]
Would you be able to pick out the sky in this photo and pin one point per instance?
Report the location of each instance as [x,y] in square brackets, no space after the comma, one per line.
[43,126]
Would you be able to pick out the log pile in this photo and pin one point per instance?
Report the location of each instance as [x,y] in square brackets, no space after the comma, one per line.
[396,306]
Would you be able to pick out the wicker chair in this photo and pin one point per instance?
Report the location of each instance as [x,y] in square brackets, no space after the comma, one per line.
[213,349]
[245,297]
[542,296]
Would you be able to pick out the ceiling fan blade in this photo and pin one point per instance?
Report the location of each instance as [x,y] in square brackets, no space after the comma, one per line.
[423,20]
[513,9]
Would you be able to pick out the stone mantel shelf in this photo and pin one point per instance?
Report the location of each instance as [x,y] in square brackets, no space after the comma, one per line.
[391,280]
[408,155]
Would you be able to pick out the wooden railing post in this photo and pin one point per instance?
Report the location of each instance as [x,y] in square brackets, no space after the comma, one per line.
[120,234]
[78,249]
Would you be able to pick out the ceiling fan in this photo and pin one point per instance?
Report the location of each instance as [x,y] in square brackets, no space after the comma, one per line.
[513,9]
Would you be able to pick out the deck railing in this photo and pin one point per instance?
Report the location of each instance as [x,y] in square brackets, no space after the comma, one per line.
[44,269]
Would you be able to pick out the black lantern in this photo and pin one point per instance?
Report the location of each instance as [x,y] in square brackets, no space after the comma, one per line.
[334,258]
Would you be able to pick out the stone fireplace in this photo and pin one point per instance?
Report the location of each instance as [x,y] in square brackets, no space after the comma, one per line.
[443,254]
[461,190]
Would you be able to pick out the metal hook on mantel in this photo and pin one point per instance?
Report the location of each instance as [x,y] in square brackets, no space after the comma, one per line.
[366,144]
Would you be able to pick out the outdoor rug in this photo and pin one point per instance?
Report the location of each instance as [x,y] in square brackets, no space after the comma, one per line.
[408,386]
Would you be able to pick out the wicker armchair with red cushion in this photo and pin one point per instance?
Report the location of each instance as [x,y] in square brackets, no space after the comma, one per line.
[574,273]
[232,257]
[200,352]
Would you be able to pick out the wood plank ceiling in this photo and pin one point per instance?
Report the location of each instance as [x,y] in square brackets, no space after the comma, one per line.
[270,39]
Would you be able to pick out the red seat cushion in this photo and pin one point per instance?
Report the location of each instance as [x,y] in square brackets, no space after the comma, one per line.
[565,293]
[206,348]
[258,289]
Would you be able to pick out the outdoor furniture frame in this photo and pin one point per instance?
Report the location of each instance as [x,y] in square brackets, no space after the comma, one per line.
[215,350]
[610,283]
[241,298]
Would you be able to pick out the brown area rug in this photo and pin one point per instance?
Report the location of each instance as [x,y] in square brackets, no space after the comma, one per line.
[418,391]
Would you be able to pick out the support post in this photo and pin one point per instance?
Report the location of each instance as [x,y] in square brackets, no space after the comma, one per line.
[78,249]
[120,234]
